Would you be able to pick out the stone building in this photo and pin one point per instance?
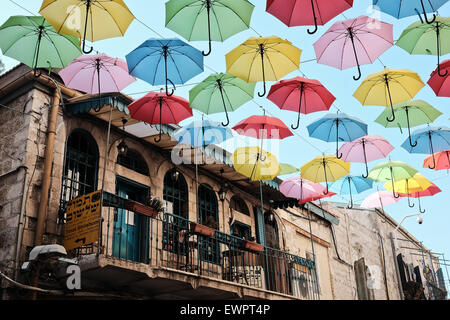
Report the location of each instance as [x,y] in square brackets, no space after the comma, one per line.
[54,148]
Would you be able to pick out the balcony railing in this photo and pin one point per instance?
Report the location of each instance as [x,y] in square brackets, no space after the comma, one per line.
[169,241]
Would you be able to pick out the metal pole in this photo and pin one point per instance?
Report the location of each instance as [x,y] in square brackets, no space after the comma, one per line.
[314,255]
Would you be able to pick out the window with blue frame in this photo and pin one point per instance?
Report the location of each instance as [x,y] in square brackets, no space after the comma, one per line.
[133,161]
[241,230]
[208,215]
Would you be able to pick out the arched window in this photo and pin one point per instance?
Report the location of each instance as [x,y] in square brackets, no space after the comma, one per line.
[236,203]
[134,161]
[208,215]
[176,193]
[80,166]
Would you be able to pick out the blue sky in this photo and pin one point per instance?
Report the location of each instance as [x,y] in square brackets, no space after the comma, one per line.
[295,150]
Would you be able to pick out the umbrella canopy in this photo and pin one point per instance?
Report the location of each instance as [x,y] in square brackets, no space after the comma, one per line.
[263,127]
[379,199]
[95,19]
[429,192]
[346,184]
[392,171]
[337,127]
[158,108]
[160,61]
[409,114]
[322,196]
[221,92]
[301,189]
[325,169]
[442,160]
[256,164]
[263,58]
[429,141]
[406,8]
[366,149]
[286,168]
[387,87]
[307,12]
[33,41]
[421,38]
[96,74]
[202,133]
[301,95]
[212,20]
[354,42]
[406,186]
[441,85]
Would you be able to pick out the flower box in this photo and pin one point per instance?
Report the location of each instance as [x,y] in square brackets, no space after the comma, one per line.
[201,229]
[250,245]
[141,209]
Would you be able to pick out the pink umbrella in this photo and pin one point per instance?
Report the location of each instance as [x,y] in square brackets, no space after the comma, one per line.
[365,149]
[441,85]
[96,74]
[159,108]
[354,42]
[301,189]
[379,199]
[301,95]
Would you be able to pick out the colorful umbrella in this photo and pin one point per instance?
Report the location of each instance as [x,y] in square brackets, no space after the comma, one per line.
[406,8]
[96,19]
[221,92]
[327,129]
[429,192]
[286,168]
[158,108]
[379,199]
[442,160]
[366,149]
[263,58]
[418,38]
[429,141]
[392,171]
[301,95]
[325,169]
[354,42]
[160,61]
[409,114]
[202,133]
[96,74]
[307,12]
[212,20]
[387,87]
[406,186]
[440,85]
[255,163]
[347,183]
[33,41]
[322,196]
[301,189]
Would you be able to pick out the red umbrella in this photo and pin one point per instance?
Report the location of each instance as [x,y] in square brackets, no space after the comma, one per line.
[305,200]
[301,95]
[439,84]
[158,108]
[263,127]
[307,12]
[442,160]
[431,191]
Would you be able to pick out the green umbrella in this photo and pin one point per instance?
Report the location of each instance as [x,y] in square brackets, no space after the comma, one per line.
[33,41]
[392,171]
[221,92]
[421,38]
[212,20]
[287,169]
[409,114]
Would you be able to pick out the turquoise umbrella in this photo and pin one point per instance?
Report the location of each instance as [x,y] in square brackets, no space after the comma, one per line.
[33,41]
[346,184]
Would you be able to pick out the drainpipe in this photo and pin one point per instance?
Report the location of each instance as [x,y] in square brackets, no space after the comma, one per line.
[20,226]
[397,271]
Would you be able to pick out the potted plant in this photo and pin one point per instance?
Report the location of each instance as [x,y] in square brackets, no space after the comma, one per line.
[154,207]
[250,245]
[209,229]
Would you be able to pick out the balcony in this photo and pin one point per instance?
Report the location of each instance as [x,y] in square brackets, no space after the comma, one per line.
[165,257]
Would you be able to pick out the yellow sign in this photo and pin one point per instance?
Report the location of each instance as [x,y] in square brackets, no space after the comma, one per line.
[82,220]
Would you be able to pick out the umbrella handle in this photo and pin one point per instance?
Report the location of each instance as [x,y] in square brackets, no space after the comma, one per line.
[439,52]
[208,9]
[409,129]
[420,206]
[365,160]
[88,7]
[350,32]
[407,191]
[356,78]
[425,14]
[261,51]
[386,80]
[160,120]
[442,74]
[160,134]
[432,152]
[396,196]
[219,83]
[299,107]
[315,19]
[169,94]
[337,141]
[351,198]
[84,48]
[326,178]
[265,90]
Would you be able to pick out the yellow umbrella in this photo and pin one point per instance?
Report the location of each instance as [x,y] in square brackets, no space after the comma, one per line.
[417,183]
[255,163]
[96,19]
[388,87]
[263,58]
[325,169]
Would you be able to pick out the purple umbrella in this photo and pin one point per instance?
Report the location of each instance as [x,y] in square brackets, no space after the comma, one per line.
[299,188]
[365,149]
[354,42]
[379,199]
[97,73]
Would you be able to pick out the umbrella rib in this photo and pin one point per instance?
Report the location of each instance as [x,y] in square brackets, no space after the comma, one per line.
[112,17]
[54,45]
[187,56]
[233,12]
[202,5]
